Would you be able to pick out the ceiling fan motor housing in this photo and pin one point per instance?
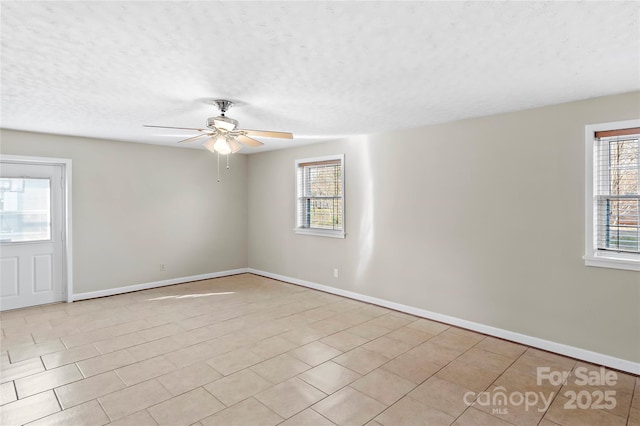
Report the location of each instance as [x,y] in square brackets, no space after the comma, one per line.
[222,122]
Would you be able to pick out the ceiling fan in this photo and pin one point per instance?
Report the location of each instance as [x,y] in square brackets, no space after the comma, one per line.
[223,135]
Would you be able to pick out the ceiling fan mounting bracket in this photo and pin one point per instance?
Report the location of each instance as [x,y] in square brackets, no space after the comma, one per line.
[222,104]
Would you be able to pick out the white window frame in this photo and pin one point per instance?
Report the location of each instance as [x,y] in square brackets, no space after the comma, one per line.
[314,231]
[593,256]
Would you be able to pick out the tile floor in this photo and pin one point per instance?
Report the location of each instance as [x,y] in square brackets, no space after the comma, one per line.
[248,350]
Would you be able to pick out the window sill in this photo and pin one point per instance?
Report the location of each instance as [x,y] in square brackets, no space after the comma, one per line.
[625,261]
[320,232]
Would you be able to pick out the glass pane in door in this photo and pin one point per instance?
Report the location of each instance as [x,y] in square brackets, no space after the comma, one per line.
[25,209]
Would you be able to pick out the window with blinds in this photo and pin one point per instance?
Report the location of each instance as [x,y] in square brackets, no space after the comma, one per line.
[617,190]
[320,196]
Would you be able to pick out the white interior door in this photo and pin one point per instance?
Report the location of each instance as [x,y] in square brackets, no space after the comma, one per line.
[31,235]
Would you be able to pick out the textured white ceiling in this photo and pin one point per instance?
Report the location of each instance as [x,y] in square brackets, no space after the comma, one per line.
[318,69]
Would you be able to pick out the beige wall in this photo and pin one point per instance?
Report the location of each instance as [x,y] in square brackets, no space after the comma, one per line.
[480,219]
[136,206]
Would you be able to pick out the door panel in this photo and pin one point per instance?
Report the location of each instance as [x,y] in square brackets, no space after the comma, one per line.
[31,235]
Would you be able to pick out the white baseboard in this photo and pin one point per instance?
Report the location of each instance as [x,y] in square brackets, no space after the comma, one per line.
[547,345]
[154,284]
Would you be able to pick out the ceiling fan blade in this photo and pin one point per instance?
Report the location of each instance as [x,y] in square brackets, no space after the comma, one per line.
[245,140]
[167,127]
[269,134]
[235,146]
[193,138]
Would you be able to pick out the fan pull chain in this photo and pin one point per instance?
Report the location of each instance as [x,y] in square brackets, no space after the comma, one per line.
[228,155]
[218,158]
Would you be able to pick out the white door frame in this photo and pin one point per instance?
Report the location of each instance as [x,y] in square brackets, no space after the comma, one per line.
[67,253]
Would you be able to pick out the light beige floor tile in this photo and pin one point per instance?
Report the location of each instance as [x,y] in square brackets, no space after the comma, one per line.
[329,377]
[272,346]
[412,367]
[103,363]
[383,386]
[303,335]
[428,326]
[557,413]
[361,360]
[21,369]
[501,347]
[85,390]
[410,336]
[248,412]
[161,331]
[238,386]
[194,336]
[89,413]
[344,341]
[290,397]
[315,353]
[7,393]
[8,343]
[128,327]
[443,395]
[22,353]
[529,363]
[270,319]
[450,339]
[45,316]
[390,321]
[54,333]
[119,342]
[624,383]
[308,417]
[474,417]
[466,375]
[387,347]
[409,412]
[368,330]
[328,326]
[633,419]
[69,356]
[141,418]
[352,318]
[437,354]
[188,378]
[190,355]
[280,368]
[317,314]
[186,409]
[517,414]
[234,361]
[46,380]
[154,348]
[557,359]
[349,407]
[225,344]
[29,409]
[135,398]
[145,370]
[485,359]
[79,339]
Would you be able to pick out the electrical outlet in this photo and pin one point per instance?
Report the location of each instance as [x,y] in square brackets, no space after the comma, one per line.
[335,273]
[162,267]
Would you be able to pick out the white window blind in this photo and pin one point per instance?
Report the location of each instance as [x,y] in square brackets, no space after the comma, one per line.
[617,190]
[320,196]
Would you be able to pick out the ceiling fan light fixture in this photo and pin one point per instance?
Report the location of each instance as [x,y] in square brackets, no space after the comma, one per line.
[209,143]
[222,146]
